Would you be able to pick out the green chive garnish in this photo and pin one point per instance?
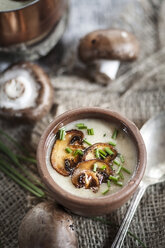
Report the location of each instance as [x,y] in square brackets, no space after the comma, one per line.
[102,152]
[105,192]
[109,151]
[119,184]
[116,162]
[121,175]
[126,170]
[101,155]
[68,150]
[115,179]
[87,142]
[112,143]
[108,183]
[115,133]
[119,169]
[81,126]
[97,153]
[121,158]
[90,131]
[103,167]
[62,133]
[80,152]
[94,167]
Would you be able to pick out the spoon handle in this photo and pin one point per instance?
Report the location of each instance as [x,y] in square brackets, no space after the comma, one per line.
[119,239]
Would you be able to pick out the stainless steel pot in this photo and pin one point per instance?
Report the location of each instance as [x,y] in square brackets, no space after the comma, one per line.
[30,23]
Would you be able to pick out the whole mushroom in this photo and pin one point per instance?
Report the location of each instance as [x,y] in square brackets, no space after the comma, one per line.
[98,48]
[47,225]
[25,92]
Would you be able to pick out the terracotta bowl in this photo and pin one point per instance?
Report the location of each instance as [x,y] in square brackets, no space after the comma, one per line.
[96,206]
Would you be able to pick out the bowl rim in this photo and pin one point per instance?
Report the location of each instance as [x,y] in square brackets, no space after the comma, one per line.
[113,198]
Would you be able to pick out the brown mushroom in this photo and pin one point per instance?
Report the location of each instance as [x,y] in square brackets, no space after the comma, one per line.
[111,44]
[90,152]
[63,162]
[85,176]
[47,225]
[25,92]
[98,48]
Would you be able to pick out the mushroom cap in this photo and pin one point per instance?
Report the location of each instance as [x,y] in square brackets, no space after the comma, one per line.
[84,176]
[63,162]
[110,44]
[47,225]
[25,92]
[90,152]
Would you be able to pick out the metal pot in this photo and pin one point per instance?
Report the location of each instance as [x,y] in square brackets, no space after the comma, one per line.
[30,23]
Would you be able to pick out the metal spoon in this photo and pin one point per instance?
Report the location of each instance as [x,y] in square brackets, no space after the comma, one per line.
[153,133]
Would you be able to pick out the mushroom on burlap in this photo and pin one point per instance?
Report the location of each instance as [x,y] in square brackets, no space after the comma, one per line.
[47,225]
[25,92]
[102,50]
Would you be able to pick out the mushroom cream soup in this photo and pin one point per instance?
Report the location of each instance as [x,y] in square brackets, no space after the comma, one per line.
[91,158]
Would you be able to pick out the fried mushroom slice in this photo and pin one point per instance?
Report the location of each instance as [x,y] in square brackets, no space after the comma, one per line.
[63,162]
[90,152]
[85,176]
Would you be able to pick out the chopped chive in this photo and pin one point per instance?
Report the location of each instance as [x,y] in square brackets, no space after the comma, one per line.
[92,131]
[103,167]
[115,179]
[101,155]
[94,167]
[119,184]
[115,133]
[112,143]
[121,158]
[97,153]
[119,169]
[62,133]
[80,152]
[89,131]
[116,162]
[121,175]
[108,183]
[105,192]
[109,151]
[81,126]
[68,150]
[87,142]
[104,135]
[126,170]
[102,152]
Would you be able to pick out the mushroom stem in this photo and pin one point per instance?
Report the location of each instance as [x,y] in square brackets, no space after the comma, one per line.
[108,67]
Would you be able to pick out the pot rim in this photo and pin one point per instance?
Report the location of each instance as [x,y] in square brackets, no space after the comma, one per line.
[114,198]
[20,8]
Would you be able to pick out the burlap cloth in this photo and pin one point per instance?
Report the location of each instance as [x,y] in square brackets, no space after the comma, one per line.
[138,93]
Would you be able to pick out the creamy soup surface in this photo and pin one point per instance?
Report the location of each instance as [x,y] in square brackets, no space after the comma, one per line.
[103,131]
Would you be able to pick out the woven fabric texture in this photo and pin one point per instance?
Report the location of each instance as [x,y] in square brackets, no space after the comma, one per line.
[138,93]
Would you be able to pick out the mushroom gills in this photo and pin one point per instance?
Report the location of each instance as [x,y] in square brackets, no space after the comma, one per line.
[85,176]
[18,89]
[62,161]
[90,152]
